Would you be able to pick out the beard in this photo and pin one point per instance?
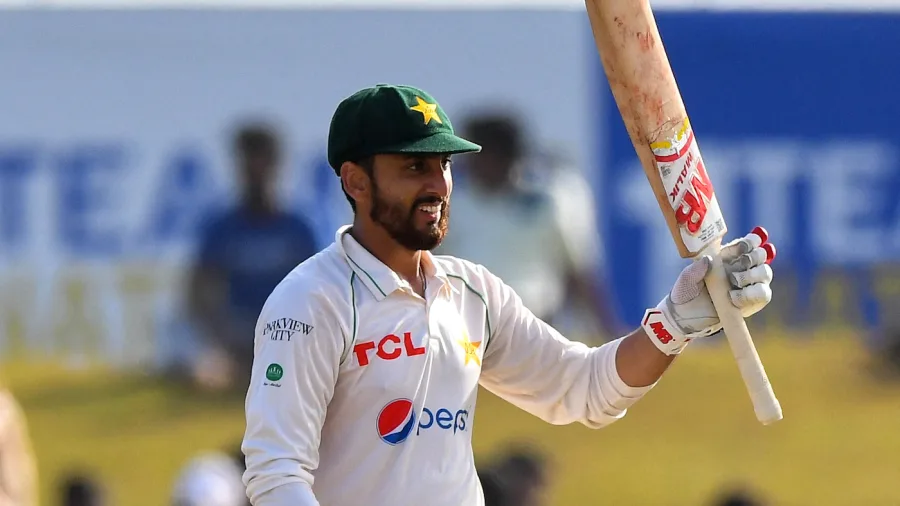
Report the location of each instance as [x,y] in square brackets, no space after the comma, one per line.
[400,222]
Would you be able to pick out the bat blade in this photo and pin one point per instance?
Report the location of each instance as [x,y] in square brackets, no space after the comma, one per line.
[647,96]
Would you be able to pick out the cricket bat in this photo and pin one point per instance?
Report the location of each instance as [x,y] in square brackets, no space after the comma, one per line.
[652,109]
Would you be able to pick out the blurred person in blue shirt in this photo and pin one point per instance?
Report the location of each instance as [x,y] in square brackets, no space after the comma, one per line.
[244,251]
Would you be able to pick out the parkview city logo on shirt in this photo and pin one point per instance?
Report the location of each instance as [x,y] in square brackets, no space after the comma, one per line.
[283,329]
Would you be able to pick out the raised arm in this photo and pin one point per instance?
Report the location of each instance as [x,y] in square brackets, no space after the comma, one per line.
[531,365]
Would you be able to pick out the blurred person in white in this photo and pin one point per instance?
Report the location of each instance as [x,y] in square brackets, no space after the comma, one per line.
[18,470]
[529,217]
[210,479]
[244,251]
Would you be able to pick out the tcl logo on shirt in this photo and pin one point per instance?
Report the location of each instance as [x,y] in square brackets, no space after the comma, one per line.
[389,347]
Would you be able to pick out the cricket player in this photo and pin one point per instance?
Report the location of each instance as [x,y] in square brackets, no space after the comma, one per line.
[368,355]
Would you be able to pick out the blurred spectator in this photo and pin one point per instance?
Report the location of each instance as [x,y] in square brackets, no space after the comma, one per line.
[892,349]
[493,487]
[531,220]
[210,479]
[519,477]
[737,496]
[883,340]
[526,476]
[245,250]
[884,346]
[18,470]
[82,490]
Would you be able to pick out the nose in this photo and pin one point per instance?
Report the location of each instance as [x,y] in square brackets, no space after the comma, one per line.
[440,181]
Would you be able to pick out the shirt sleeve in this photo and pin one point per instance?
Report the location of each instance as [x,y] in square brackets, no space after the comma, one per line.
[298,348]
[531,365]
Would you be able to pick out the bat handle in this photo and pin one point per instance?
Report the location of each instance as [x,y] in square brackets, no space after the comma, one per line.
[765,404]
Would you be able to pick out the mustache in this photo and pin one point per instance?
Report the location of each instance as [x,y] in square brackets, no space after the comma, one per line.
[428,201]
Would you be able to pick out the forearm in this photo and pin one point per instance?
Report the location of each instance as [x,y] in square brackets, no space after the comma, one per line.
[639,362]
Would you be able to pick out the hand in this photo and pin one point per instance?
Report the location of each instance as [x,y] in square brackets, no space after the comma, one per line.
[687,312]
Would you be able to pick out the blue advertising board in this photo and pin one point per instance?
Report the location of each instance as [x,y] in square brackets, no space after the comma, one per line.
[796,115]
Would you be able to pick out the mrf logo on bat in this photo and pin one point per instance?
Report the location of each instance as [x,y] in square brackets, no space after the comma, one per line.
[689,188]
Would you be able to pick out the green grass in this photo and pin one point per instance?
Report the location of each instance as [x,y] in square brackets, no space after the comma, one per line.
[839,443]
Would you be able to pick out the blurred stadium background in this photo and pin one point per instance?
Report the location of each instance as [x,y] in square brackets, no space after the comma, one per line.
[116,128]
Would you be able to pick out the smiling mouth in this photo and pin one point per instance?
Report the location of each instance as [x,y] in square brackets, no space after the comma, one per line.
[432,210]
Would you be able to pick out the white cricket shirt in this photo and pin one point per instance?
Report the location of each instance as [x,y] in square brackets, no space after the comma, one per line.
[363,392]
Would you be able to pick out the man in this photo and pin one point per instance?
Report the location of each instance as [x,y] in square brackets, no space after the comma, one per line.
[18,470]
[368,356]
[540,241]
[244,252]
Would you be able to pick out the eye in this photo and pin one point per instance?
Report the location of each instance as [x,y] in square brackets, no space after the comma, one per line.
[446,163]
[417,166]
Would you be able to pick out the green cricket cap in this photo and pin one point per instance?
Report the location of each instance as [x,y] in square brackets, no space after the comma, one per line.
[391,119]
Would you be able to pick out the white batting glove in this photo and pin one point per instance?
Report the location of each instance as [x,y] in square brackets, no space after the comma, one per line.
[687,312]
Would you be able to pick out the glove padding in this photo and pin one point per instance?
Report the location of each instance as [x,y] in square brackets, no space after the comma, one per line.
[687,312]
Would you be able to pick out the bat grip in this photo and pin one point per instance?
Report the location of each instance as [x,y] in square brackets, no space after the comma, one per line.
[765,404]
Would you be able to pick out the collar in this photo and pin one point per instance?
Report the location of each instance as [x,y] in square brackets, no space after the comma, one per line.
[380,279]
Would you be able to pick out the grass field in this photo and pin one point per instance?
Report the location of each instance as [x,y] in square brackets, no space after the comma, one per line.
[839,443]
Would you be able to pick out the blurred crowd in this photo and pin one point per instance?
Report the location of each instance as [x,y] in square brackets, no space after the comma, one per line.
[526,214]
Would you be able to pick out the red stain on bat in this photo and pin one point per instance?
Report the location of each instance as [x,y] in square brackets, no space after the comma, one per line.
[646,41]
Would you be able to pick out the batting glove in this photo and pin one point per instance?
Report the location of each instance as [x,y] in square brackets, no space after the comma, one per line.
[687,312]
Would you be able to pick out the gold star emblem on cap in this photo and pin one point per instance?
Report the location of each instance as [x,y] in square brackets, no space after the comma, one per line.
[471,348]
[429,111]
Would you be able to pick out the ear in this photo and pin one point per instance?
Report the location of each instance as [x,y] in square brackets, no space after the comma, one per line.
[355,181]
